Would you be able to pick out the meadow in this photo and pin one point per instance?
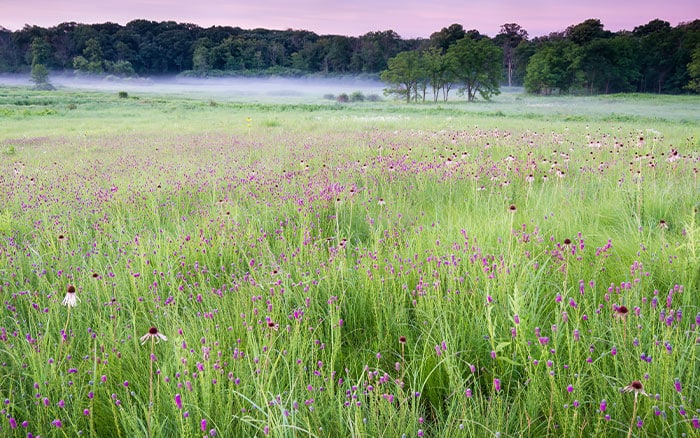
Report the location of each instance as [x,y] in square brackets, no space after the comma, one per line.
[193,265]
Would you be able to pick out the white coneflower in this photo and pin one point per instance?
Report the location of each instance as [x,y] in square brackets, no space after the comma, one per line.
[635,387]
[153,333]
[71,299]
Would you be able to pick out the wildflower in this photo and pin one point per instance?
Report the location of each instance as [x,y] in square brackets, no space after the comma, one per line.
[621,312]
[663,225]
[677,384]
[402,339]
[153,334]
[636,387]
[512,208]
[71,299]
[497,384]
[178,401]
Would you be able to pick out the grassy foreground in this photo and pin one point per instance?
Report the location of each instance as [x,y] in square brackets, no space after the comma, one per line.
[183,267]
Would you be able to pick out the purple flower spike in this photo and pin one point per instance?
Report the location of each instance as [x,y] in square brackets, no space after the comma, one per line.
[678,386]
[178,401]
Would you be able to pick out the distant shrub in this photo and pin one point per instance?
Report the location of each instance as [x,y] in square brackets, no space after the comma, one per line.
[213,103]
[357,96]
[342,98]
[123,95]
[329,96]
[72,106]
[374,98]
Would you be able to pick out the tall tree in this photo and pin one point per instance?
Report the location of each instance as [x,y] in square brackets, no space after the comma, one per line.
[403,72]
[439,71]
[508,39]
[477,66]
[447,36]
[586,32]
[40,52]
[609,65]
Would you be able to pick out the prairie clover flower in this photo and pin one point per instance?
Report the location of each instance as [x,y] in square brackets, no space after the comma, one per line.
[71,299]
[153,333]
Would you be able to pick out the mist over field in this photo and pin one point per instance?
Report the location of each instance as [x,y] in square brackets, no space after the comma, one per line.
[233,88]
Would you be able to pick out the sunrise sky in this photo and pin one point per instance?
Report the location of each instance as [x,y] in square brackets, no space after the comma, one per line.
[409,18]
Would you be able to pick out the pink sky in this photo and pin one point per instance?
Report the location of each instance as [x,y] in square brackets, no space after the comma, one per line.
[409,18]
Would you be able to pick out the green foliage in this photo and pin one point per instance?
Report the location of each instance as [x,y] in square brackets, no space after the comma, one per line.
[508,39]
[120,68]
[608,65]
[477,67]
[403,72]
[40,77]
[694,71]
[357,96]
[39,51]
[552,68]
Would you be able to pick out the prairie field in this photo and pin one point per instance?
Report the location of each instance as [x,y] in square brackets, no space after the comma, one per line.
[198,265]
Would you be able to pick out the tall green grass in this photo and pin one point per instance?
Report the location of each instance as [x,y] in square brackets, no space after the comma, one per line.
[370,270]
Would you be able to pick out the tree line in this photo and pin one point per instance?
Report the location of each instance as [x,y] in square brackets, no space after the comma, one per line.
[654,57]
[585,58]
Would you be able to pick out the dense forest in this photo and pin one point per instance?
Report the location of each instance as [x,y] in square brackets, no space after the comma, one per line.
[654,57]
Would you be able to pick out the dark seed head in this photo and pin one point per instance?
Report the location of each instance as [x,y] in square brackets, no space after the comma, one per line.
[152,331]
[71,289]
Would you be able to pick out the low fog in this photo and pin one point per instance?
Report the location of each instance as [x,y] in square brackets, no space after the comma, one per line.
[233,88]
